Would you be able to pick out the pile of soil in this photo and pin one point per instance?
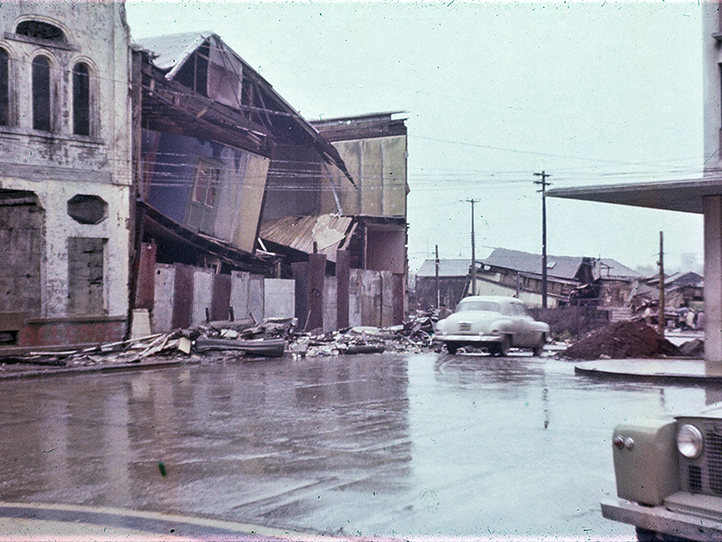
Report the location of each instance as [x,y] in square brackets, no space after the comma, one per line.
[620,340]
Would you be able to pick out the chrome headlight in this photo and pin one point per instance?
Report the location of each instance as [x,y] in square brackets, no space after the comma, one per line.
[689,441]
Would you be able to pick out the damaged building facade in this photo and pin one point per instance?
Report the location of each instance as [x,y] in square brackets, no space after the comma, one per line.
[65,172]
[142,176]
[571,280]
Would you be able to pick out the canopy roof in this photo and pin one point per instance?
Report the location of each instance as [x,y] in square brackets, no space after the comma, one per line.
[685,196]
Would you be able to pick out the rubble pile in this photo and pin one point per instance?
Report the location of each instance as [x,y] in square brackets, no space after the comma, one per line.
[361,340]
[222,341]
[626,339]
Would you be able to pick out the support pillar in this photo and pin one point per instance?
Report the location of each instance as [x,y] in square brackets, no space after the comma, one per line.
[145,288]
[713,278]
[316,287]
[300,275]
[343,274]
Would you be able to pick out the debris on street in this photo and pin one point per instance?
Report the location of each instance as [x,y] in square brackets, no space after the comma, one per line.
[238,339]
[413,336]
[621,340]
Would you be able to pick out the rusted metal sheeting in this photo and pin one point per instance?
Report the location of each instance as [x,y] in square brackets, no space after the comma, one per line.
[300,232]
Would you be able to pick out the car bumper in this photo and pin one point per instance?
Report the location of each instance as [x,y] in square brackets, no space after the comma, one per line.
[662,520]
[468,339]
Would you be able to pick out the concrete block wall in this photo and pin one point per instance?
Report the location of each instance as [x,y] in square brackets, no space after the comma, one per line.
[240,283]
[330,315]
[256,298]
[370,298]
[162,311]
[279,298]
[251,296]
[202,294]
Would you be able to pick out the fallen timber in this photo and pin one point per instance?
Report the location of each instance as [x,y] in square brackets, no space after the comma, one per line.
[272,348]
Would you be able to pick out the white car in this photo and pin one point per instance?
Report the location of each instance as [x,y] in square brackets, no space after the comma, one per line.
[493,322]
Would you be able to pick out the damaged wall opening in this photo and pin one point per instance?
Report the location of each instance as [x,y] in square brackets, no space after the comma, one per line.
[21,246]
[86,256]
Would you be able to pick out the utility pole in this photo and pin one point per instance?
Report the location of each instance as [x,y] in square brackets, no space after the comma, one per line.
[661,318]
[473,246]
[438,290]
[544,175]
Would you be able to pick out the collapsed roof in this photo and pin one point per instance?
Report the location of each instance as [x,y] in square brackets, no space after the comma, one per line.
[230,100]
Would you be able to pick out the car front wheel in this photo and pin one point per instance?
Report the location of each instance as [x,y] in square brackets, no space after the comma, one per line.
[539,348]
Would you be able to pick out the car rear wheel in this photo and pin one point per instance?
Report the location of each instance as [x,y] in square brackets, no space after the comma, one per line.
[502,347]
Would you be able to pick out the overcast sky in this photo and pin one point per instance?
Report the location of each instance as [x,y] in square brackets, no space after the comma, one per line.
[592,93]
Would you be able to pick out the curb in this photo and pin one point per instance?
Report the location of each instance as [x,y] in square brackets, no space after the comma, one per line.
[67,371]
[665,378]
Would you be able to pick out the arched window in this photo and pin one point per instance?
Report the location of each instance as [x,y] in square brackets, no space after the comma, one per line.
[81,99]
[41,93]
[4,88]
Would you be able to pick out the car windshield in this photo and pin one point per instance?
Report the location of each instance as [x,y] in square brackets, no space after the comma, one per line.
[478,306]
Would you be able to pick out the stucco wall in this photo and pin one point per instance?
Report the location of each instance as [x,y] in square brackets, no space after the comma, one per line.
[58,164]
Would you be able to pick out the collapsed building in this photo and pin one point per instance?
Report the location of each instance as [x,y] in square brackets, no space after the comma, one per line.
[147,176]
[601,282]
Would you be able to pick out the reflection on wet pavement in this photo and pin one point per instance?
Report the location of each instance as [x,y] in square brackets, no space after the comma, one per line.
[424,445]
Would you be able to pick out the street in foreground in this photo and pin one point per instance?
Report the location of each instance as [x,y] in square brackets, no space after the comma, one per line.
[379,445]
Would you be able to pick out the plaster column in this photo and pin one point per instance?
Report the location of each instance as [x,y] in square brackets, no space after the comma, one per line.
[713,278]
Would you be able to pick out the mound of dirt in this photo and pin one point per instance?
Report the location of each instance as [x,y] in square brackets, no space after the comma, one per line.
[621,340]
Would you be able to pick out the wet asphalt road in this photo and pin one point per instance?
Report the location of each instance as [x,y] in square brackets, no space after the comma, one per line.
[389,445]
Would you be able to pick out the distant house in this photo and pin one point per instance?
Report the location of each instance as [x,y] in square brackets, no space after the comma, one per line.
[453,281]
[570,280]
[681,290]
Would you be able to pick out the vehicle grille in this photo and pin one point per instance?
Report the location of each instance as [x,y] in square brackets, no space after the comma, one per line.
[713,444]
[704,474]
[695,479]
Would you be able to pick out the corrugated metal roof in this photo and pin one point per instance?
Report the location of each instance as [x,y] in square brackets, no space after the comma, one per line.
[300,232]
[565,267]
[447,268]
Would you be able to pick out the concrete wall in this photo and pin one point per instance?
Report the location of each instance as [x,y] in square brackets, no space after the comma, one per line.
[279,298]
[378,166]
[256,297]
[163,302]
[370,298]
[251,296]
[202,295]
[330,314]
